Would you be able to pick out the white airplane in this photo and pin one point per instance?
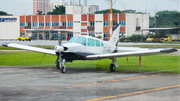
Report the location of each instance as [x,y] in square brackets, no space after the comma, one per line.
[91,48]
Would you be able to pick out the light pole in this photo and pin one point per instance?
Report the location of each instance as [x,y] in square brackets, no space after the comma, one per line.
[170,23]
[111,3]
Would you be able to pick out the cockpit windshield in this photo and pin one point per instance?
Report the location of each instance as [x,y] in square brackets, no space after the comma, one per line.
[72,39]
[78,39]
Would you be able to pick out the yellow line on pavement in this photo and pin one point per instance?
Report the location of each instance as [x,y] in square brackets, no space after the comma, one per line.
[101,82]
[134,93]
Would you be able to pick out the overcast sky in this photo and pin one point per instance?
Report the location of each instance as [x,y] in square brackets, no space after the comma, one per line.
[17,7]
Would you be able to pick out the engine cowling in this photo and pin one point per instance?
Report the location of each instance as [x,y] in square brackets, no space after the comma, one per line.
[59,48]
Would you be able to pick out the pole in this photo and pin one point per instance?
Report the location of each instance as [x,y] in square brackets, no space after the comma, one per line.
[111,24]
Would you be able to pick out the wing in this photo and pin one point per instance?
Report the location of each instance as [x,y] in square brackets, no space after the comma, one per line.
[132,53]
[130,49]
[30,48]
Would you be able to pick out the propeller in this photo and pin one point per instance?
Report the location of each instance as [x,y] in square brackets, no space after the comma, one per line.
[59,48]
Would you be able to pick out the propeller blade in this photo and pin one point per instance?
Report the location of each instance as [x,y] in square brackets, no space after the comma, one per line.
[59,43]
[59,38]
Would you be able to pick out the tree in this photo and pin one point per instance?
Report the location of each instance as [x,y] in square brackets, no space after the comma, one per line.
[39,13]
[59,10]
[167,18]
[107,11]
[5,13]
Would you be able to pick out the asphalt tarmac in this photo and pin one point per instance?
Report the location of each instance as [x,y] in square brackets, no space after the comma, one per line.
[48,84]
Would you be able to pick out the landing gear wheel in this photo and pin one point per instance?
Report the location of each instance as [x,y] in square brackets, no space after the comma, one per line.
[63,70]
[57,66]
[112,67]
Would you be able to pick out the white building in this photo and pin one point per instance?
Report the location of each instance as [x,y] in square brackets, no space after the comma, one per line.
[41,27]
[76,9]
[61,2]
[93,8]
[9,27]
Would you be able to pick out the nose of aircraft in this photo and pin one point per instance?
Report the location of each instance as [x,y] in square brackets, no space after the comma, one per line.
[58,48]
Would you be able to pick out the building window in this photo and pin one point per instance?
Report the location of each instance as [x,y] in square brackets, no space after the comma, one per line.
[91,23]
[106,23]
[63,36]
[22,24]
[69,35]
[48,24]
[22,33]
[70,24]
[122,35]
[114,23]
[106,35]
[41,24]
[35,23]
[64,24]
[54,36]
[92,34]
[122,23]
[47,35]
[55,23]
[76,21]
[29,24]
[34,36]
[98,21]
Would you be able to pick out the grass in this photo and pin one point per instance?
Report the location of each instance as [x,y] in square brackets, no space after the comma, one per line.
[174,42]
[154,63]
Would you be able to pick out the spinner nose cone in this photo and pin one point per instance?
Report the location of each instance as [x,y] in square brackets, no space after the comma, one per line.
[60,48]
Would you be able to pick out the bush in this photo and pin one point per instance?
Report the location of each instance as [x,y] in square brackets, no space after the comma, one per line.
[99,37]
[133,38]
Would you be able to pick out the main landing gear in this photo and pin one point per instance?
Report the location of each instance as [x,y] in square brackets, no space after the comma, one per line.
[113,65]
[60,65]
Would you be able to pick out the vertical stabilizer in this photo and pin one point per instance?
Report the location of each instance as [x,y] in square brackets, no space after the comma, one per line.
[115,37]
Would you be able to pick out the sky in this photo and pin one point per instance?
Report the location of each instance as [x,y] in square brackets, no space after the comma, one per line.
[18,7]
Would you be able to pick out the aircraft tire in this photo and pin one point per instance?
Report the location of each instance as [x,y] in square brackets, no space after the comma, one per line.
[57,66]
[63,70]
[112,68]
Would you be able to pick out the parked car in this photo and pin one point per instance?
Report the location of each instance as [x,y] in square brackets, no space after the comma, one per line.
[24,38]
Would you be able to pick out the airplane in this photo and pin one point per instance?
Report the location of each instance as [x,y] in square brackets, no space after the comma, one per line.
[91,48]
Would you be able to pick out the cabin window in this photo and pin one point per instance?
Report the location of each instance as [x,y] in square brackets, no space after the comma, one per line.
[97,43]
[91,42]
[102,44]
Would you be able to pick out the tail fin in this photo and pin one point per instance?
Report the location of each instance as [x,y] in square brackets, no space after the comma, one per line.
[115,37]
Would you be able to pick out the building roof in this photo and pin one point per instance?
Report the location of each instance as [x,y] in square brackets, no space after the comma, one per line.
[49,30]
[161,28]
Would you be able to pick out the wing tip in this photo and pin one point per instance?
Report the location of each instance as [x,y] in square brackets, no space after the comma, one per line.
[169,50]
[5,44]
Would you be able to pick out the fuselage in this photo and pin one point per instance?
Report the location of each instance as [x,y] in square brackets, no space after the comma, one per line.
[80,46]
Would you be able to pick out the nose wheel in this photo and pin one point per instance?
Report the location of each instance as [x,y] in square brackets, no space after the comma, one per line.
[61,66]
